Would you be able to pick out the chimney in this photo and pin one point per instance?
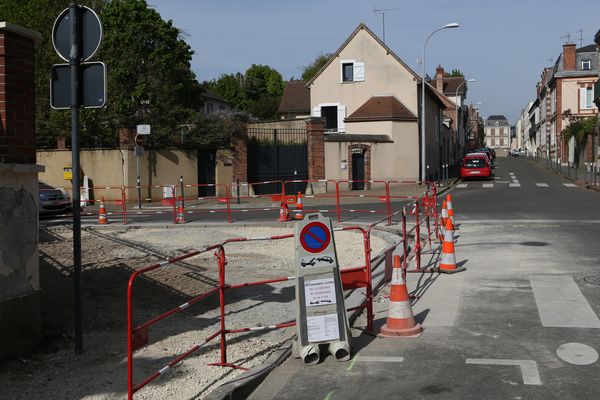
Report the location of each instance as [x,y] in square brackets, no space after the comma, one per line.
[569,57]
[439,78]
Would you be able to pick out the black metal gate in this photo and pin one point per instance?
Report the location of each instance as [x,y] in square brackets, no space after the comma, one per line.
[277,154]
[206,172]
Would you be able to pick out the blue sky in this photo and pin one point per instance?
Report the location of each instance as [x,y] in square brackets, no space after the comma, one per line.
[504,44]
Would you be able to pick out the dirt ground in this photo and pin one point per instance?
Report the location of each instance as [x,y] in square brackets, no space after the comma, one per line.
[108,259]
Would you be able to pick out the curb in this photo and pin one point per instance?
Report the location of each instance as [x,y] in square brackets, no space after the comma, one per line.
[578,182]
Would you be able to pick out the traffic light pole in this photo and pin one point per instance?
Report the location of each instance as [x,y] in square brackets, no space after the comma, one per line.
[74,63]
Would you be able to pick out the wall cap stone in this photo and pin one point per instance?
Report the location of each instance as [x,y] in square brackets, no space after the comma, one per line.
[21,168]
[7,26]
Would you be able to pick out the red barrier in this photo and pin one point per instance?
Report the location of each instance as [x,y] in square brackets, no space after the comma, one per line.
[144,200]
[378,190]
[216,200]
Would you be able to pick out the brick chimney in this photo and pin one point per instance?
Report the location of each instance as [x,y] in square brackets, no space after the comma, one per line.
[439,78]
[569,57]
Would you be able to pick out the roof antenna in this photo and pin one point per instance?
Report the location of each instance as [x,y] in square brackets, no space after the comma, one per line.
[568,37]
[580,37]
[382,12]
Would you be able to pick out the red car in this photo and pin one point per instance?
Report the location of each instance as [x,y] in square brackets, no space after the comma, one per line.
[475,166]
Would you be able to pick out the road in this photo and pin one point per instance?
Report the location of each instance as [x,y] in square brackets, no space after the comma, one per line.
[520,323]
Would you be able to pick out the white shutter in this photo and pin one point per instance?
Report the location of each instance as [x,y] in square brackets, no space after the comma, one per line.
[341,114]
[316,111]
[582,98]
[359,71]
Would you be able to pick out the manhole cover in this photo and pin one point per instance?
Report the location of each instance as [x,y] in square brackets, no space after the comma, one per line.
[594,279]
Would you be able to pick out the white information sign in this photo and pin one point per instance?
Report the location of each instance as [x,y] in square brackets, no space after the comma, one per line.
[143,129]
[319,291]
[323,328]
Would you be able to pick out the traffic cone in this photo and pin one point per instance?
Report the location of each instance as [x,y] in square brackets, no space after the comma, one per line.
[449,205]
[400,321]
[102,220]
[448,262]
[284,211]
[299,205]
[180,212]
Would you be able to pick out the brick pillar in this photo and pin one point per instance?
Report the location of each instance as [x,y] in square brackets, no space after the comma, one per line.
[589,148]
[61,143]
[126,138]
[17,95]
[315,129]
[240,159]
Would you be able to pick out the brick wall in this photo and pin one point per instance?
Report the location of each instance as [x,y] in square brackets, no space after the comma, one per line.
[17,98]
[240,159]
[315,128]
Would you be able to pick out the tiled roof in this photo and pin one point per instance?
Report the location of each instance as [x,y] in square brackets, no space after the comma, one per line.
[382,108]
[295,99]
[451,83]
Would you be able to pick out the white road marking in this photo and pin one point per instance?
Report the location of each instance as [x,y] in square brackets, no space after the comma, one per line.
[514,184]
[462,185]
[577,353]
[487,185]
[561,304]
[382,359]
[439,309]
[570,184]
[541,184]
[529,369]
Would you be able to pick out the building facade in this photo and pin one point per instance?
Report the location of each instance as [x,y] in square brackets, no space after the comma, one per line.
[497,132]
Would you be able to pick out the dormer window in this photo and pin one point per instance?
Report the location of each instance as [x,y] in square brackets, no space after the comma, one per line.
[586,65]
[352,71]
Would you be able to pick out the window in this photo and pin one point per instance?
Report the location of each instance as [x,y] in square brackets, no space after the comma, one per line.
[333,115]
[352,71]
[329,114]
[586,65]
[586,97]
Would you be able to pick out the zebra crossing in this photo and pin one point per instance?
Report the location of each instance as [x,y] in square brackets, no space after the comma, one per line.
[513,182]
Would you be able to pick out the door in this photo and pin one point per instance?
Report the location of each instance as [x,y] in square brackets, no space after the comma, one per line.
[358,170]
[206,172]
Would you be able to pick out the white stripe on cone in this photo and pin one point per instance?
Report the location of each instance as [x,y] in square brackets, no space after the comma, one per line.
[400,310]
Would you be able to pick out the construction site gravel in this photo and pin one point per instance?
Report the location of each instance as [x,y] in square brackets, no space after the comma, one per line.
[108,259]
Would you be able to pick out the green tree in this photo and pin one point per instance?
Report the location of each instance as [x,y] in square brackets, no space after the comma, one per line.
[231,88]
[456,72]
[308,71]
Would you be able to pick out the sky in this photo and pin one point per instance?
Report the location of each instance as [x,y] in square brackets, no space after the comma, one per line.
[503,44]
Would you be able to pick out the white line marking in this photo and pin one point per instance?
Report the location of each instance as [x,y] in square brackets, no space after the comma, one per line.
[541,184]
[561,304]
[382,359]
[529,369]
[570,184]
[448,292]
[517,184]
[462,185]
[487,185]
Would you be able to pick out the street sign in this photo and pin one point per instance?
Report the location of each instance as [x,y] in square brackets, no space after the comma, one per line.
[143,129]
[315,237]
[92,88]
[90,34]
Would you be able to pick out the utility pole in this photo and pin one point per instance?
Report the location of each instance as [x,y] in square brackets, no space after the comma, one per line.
[382,12]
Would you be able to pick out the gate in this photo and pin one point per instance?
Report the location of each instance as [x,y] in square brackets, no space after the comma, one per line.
[206,172]
[277,155]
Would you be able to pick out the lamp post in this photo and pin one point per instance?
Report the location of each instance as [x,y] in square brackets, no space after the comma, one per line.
[423,164]
[457,105]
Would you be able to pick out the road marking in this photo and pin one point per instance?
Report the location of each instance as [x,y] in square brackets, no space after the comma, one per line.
[514,184]
[462,185]
[373,359]
[487,185]
[448,292]
[541,184]
[577,353]
[570,184]
[561,304]
[529,369]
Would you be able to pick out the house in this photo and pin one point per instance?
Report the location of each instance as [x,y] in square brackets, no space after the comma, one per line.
[214,103]
[369,100]
[474,132]
[497,132]
[295,101]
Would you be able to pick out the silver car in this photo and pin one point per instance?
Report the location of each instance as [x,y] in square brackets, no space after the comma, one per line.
[53,200]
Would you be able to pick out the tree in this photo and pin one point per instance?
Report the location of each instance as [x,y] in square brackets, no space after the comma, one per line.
[231,88]
[456,72]
[308,71]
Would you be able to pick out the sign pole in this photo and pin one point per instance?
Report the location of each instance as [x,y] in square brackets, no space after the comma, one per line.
[75,102]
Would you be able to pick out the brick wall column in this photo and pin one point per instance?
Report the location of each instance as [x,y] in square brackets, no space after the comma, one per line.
[17,95]
[315,129]
[240,159]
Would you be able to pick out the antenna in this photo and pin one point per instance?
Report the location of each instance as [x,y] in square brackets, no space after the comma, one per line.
[580,37]
[382,12]
[568,37]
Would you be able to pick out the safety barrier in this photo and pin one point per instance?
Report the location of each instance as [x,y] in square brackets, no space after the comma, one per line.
[137,337]
[197,199]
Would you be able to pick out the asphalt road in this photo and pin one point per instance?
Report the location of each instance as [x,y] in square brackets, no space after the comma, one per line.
[520,323]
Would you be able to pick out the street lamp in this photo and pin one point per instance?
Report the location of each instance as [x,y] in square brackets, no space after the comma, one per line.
[456,99]
[423,165]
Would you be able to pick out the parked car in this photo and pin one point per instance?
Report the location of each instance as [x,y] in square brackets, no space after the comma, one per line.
[486,155]
[522,152]
[475,166]
[513,153]
[490,153]
[53,200]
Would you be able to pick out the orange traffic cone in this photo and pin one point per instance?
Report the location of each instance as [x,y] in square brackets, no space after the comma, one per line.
[449,205]
[180,212]
[102,220]
[400,321]
[299,205]
[284,211]
[448,262]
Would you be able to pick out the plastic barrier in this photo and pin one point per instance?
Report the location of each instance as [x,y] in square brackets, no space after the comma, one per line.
[255,197]
[137,337]
[209,198]
[318,195]
[348,190]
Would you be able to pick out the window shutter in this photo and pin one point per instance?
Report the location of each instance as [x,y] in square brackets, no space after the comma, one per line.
[341,114]
[582,96]
[359,71]
[316,112]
